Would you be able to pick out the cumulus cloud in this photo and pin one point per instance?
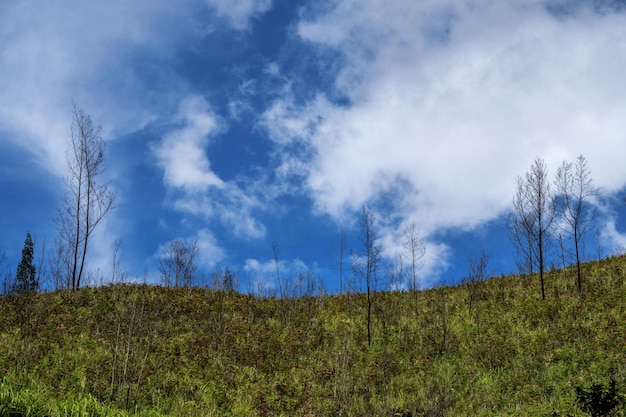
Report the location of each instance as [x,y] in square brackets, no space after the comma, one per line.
[181,154]
[447,102]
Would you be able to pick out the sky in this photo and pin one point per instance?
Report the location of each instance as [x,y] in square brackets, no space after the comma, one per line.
[244,123]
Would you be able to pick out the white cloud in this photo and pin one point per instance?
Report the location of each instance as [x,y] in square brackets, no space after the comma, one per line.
[233,206]
[54,53]
[611,239]
[96,53]
[239,12]
[182,152]
[115,59]
[210,252]
[183,155]
[452,100]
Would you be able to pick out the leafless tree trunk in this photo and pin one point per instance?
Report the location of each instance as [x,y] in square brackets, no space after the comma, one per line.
[117,273]
[574,188]
[415,250]
[5,275]
[276,251]
[533,218]
[59,264]
[395,272]
[178,263]
[563,260]
[478,265]
[521,225]
[341,250]
[366,262]
[87,202]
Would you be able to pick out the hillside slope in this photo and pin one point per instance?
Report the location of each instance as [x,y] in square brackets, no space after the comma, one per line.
[493,348]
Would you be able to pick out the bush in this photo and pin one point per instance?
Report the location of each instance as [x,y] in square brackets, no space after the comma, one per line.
[599,399]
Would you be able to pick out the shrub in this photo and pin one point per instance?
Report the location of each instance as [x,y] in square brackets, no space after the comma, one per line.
[599,399]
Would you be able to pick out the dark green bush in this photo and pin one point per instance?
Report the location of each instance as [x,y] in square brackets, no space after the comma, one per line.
[599,399]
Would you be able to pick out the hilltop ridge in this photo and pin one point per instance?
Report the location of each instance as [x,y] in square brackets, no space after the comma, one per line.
[483,349]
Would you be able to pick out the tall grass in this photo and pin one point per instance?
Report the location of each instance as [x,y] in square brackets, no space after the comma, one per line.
[141,350]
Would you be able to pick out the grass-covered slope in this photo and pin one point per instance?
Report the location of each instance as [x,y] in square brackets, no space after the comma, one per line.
[124,350]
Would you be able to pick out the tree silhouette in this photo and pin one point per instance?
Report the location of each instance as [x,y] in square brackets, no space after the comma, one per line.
[26,280]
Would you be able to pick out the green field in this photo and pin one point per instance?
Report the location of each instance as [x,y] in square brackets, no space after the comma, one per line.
[489,349]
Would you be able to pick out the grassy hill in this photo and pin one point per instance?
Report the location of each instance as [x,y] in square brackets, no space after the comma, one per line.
[130,349]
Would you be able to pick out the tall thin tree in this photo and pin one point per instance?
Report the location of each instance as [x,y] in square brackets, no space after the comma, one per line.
[87,201]
[366,262]
[414,250]
[341,250]
[276,251]
[534,215]
[575,190]
[521,225]
[5,276]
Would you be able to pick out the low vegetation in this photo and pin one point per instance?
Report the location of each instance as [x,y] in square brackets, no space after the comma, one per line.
[151,351]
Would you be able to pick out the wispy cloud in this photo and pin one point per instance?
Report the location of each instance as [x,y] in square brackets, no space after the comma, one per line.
[118,61]
[611,239]
[184,156]
[108,56]
[238,13]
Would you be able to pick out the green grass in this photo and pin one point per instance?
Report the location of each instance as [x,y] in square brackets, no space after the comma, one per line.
[142,350]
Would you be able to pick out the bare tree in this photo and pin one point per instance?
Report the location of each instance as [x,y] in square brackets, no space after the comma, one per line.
[597,236]
[563,258]
[5,275]
[477,272]
[533,218]
[366,262]
[414,251]
[341,250]
[118,274]
[59,264]
[574,187]
[521,225]
[276,251]
[178,263]
[395,272]
[87,202]
[41,268]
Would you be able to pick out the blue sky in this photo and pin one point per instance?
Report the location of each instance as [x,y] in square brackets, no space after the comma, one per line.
[242,123]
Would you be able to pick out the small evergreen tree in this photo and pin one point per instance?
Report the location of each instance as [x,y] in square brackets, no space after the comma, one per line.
[26,279]
[599,399]
[228,281]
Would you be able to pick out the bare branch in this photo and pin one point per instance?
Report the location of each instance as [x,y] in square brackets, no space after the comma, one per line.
[533,217]
[178,263]
[576,214]
[87,202]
